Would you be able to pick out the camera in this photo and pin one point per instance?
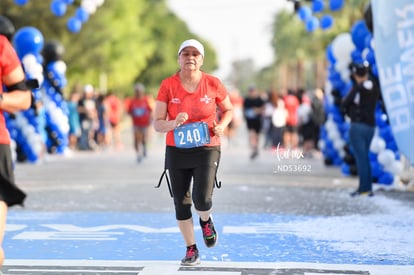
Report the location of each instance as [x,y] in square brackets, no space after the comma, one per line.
[360,69]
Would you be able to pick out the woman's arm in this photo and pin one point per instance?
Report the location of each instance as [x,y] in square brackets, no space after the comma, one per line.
[15,100]
[227,115]
[161,124]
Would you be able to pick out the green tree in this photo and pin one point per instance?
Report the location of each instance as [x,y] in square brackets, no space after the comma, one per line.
[295,48]
[123,42]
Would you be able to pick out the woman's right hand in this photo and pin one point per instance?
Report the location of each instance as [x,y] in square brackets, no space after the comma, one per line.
[181,118]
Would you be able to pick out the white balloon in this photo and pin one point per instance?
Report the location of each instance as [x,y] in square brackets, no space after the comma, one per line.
[340,66]
[321,144]
[386,157]
[60,67]
[345,75]
[333,134]
[377,144]
[89,6]
[339,144]
[395,168]
[28,60]
[342,46]
[39,77]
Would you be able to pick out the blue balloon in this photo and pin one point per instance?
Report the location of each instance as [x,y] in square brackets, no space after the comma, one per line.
[326,21]
[21,2]
[335,79]
[82,14]
[74,24]
[304,13]
[386,178]
[386,133]
[374,70]
[345,169]
[28,40]
[356,56]
[371,57]
[336,5]
[368,40]
[359,33]
[58,7]
[337,161]
[375,169]
[381,119]
[392,145]
[329,54]
[317,6]
[312,24]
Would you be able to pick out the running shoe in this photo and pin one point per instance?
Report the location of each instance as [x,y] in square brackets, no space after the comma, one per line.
[359,193]
[191,256]
[209,232]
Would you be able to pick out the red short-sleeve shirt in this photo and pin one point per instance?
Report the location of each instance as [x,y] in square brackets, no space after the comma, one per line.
[8,62]
[201,105]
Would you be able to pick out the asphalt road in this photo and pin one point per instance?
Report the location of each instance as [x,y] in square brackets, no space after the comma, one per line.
[277,214]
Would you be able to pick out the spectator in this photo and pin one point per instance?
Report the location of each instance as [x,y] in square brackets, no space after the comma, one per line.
[237,101]
[360,104]
[74,120]
[115,112]
[279,117]
[140,109]
[318,113]
[88,118]
[291,136]
[253,108]
[101,133]
[305,123]
[267,125]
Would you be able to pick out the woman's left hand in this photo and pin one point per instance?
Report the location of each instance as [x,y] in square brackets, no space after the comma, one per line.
[217,129]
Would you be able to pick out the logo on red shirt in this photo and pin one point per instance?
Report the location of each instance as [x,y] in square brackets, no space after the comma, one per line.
[205,99]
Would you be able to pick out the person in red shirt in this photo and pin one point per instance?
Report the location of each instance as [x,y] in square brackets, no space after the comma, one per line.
[186,109]
[291,136]
[17,97]
[140,109]
[115,112]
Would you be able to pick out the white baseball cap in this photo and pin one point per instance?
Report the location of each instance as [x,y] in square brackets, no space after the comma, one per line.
[192,43]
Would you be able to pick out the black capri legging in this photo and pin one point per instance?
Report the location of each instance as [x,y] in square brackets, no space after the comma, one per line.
[9,192]
[199,167]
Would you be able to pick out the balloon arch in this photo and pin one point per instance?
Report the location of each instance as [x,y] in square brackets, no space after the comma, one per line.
[356,46]
[45,127]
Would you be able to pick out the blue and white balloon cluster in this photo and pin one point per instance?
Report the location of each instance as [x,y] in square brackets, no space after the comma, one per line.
[308,14]
[45,125]
[24,126]
[334,132]
[356,47]
[82,13]
[56,111]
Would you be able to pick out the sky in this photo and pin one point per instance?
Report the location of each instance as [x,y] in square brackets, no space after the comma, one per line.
[237,29]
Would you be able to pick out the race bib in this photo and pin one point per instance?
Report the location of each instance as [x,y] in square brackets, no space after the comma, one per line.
[191,135]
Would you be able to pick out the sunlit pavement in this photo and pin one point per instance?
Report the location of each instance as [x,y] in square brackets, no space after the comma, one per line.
[99,213]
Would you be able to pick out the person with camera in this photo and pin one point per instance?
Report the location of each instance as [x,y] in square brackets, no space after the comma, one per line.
[360,104]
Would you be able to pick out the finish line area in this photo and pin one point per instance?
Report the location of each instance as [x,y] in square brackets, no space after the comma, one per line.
[150,243]
[73,267]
